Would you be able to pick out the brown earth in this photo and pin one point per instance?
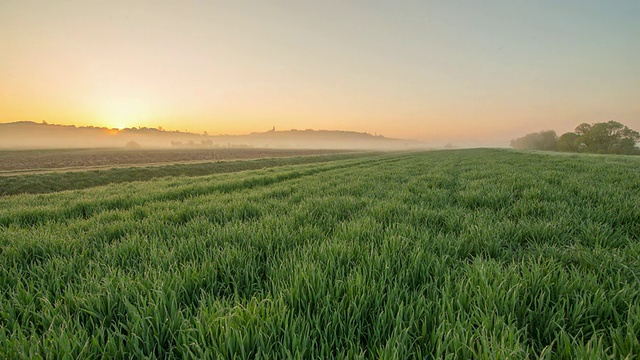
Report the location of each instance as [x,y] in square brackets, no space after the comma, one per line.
[13,161]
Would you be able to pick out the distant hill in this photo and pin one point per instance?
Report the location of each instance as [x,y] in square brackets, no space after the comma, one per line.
[28,134]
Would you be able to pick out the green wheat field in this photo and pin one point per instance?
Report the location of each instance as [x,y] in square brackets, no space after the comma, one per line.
[461,254]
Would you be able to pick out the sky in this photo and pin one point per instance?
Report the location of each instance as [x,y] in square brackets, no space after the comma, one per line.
[440,71]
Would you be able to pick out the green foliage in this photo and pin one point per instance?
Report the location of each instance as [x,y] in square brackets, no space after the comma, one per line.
[603,138]
[71,180]
[600,138]
[544,140]
[445,254]
[569,142]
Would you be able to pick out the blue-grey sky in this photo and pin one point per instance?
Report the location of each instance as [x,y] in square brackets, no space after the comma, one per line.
[443,71]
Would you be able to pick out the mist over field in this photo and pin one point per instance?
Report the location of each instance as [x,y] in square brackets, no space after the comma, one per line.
[25,135]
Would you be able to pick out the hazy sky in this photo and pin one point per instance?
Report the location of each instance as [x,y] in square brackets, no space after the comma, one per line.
[432,70]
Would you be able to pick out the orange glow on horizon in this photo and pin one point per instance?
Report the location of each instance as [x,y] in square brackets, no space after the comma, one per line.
[235,68]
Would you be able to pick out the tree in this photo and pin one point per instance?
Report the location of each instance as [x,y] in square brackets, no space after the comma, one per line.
[568,142]
[132,145]
[583,129]
[607,138]
[543,140]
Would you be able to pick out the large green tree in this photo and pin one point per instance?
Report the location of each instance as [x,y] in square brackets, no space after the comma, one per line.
[568,142]
[611,137]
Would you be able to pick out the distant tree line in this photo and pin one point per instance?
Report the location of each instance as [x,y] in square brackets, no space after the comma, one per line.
[600,138]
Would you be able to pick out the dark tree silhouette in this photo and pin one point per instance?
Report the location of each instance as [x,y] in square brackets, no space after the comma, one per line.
[543,140]
[132,145]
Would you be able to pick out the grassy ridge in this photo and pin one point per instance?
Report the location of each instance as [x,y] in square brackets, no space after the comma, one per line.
[471,254]
[70,180]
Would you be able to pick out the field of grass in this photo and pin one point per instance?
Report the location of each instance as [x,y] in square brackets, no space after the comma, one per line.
[71,179]
[462,254]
